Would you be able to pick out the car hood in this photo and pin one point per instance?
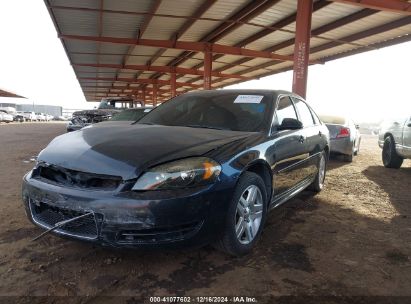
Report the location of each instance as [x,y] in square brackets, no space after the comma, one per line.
[127,150]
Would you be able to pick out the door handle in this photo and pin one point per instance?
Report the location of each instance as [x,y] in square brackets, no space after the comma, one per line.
[302,139]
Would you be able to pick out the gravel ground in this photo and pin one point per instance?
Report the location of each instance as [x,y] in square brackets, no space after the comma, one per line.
[353,239]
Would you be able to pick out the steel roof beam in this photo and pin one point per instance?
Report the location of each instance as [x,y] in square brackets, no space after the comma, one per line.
[318,31]
[277,25]
[364,34]
[378,45]
[142,81]
[122,88]
[198,13]
[248,12]
[156,4]
[162,69]
[395,6]
[184,45]
[143,27]
[148,93]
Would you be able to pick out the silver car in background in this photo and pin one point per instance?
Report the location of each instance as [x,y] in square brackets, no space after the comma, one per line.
[345,138]
[395,140]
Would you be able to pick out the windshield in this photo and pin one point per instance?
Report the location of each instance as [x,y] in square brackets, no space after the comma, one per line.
[217,110]
[130,115]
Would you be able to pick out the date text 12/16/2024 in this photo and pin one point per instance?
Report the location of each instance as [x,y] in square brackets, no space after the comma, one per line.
[202,299]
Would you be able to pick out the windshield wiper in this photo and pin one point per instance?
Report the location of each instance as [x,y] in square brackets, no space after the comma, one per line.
[204,127]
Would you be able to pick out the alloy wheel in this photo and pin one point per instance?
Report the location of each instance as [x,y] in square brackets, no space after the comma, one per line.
[249,214]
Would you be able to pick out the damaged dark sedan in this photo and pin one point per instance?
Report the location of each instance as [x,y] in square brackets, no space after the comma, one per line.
[204,167]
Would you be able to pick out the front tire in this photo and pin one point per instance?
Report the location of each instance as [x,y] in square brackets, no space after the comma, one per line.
[245,217]
[390,158]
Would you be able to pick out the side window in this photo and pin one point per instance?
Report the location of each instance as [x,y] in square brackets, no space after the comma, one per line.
[305,114]
[285,109]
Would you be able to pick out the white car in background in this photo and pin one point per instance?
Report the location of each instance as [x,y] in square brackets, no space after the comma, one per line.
[49,117]
[5,117]
[30,116]
[40,117]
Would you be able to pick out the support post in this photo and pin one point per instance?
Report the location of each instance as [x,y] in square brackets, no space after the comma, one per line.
[173,85]
[302,46]
[208,66]
[143,95]
[155,95]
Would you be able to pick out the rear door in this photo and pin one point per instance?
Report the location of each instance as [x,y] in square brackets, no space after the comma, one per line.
[287,152]
[312,137]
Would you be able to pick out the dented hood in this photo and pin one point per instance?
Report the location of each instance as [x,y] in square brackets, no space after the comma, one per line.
[126,150]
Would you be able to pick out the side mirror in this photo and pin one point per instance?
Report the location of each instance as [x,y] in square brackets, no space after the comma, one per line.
[290,124]
[357,126]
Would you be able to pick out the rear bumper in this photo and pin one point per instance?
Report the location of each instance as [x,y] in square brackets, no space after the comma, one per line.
[150,219]
[341,146]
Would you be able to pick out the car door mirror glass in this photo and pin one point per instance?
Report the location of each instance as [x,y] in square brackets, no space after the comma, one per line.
[290,124]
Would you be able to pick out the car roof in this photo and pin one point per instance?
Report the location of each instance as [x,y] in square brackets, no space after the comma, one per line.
[274,93]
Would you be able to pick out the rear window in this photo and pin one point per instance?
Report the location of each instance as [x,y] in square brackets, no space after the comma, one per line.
[331,119]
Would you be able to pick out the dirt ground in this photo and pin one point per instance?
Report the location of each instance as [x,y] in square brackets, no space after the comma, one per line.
[353,239]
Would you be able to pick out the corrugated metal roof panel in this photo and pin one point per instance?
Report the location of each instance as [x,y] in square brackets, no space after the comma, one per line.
[163,28]
[81,46]
[128,5]
[77,3]
[123,26]
[87,23]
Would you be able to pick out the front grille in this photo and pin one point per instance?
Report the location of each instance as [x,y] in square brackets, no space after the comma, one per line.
[158,235]
[71,178]
[47,216]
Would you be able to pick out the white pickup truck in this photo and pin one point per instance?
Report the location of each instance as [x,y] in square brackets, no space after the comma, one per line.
[395,141]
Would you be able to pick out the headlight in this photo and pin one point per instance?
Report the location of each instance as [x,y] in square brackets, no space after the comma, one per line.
[190,172]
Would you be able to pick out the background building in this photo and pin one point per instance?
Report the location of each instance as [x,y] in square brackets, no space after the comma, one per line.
[47,109]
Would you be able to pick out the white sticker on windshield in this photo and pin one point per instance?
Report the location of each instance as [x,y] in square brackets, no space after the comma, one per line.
[248,99]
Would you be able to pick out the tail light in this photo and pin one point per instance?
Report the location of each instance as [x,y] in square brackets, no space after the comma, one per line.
[344,132]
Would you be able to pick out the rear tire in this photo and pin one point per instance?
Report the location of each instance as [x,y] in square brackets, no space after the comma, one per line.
[348,158]
[318,184]
[390,158]
[245,217]
[358,147]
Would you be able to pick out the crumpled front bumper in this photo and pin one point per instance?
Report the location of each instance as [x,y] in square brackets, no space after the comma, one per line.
[129,219]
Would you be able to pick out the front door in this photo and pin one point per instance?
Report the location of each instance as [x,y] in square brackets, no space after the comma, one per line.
[287,153]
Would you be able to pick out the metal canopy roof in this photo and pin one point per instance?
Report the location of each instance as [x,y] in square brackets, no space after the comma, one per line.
[120,47]
[4,93]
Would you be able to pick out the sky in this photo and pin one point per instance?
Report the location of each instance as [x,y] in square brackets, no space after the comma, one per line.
[368,87]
